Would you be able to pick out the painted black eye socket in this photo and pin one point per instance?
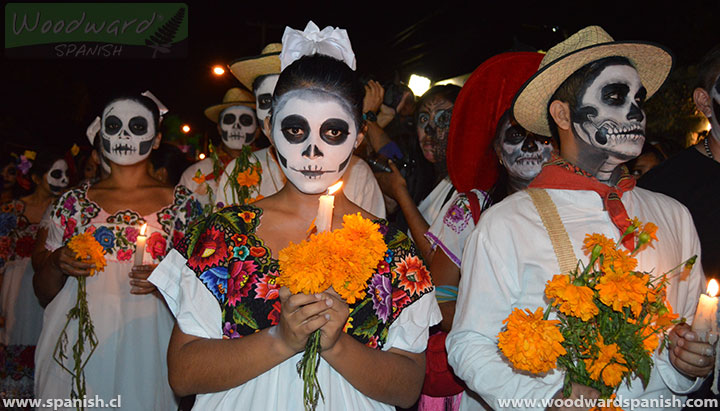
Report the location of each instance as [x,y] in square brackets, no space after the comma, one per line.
[442,118]
[112,125]
[615,94]
[264,101]
[423,118]
[295,128]
[515,135]
[56,174]
[640,96]
[246,120]
[228,119]
[138,125]
[334,131]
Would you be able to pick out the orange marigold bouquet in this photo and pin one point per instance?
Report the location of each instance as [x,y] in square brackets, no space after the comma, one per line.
[344,259]
[87,249]
[610,318]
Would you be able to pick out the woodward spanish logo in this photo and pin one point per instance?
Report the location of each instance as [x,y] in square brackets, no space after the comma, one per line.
[96,30]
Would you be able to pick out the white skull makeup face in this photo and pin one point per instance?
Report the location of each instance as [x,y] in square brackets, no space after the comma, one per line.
[314,135]
[714,121]
[127,132]
[263,96]
[523,153]
[57,176]
[609,115]
[433,126]
[237,126]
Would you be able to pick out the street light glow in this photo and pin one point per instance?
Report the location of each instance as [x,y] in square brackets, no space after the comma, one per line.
[201,156]
[218,70]
[185,128]
[419,84]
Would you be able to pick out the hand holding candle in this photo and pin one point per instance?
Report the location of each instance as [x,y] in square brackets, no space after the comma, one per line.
[140,245]
[705,320]
[323,221]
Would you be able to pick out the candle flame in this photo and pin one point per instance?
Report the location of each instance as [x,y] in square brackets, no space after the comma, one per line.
[143,228]
[335,187]
[712,289]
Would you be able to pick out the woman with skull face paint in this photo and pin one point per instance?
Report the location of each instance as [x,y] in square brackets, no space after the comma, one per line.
[432,124]
[131,321]
[8,169]
[315,124]
[21,313]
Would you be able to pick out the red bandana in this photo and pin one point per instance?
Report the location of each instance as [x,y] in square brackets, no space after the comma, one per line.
[559,174]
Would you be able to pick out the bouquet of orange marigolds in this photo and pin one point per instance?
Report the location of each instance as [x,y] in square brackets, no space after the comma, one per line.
[611,318]
[344,259]
[87,249]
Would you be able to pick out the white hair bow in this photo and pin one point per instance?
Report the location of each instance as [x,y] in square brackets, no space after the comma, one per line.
[92,130]
[163,109]
[330,41]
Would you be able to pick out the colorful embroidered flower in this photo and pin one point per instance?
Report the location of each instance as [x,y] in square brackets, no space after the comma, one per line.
[267,287]
[413,275]
[156,245]
[381,290]
[210,250]
[456,218]
[230,331]
[216,280]
[531,343]
[348,325]
[247,216]
[124,254]
[400,300]
[242,278]
[5,244]
[131,234]
[8,222]
[239,239]
[24,246]
[373,341]
[69,203]
[105,237]
[70,225]
[241,252]
[257,251]
[177,238]
[274,315]
[383,267]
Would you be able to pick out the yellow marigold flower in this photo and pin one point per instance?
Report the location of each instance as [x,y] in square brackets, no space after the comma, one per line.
[608,365]
[249,177]
[531,343]
[199,177]
[591,240]
[74,150]
[254,199]
[619,261]
[650,339]
[623,290]
[31,155]
[88,249]
[571,299]
[646,236]
[612,375]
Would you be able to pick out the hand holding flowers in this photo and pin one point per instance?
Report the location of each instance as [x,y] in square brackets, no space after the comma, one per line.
[688,354]
[300,316]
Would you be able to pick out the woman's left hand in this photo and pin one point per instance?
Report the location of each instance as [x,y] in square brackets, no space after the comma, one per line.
[338,314]
[138,279]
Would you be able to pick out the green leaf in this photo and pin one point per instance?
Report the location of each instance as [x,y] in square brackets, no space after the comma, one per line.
[368,328]
[243,316]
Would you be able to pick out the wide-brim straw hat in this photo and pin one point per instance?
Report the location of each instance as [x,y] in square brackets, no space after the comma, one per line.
[247,69]
[233,97]
[653,63]
[484,98]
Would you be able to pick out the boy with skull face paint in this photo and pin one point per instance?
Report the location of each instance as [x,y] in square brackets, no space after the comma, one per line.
[590,89]
[131,322]
[237,126]
[315,124]
[260,74]
[20,224]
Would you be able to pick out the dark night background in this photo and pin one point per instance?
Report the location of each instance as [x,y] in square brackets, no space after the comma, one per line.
[51,101]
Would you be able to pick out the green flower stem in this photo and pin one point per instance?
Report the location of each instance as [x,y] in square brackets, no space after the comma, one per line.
[307,369]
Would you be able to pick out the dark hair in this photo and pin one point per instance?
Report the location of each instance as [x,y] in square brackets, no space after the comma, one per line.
[43,161]
[447,91]
[146,102]
[573,88]
[323,73]
[708,69]
[172,159]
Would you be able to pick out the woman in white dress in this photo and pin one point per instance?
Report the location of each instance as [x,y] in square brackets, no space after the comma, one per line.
[131,320]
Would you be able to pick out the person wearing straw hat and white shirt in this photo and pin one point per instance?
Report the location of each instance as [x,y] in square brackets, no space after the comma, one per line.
[237,125]
[260,74]
[589,90]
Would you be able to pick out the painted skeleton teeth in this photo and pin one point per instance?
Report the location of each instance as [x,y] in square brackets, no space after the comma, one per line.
[124,149]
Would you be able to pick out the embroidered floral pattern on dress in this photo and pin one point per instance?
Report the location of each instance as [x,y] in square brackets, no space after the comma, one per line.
[17,234]
[458,215]
[236,266]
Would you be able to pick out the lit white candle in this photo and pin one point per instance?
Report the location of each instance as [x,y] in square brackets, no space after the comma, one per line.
[140,245]
[706,314]
[323,221]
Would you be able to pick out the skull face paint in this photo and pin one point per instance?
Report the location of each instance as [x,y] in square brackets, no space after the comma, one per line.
[433,125]
[609,114]
[237,126]
[263,96]
[314,135]
[127,132]
[714,120]
[523,153]
[57,176]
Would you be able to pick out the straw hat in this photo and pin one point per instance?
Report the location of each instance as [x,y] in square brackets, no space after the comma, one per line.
[485,97]
[233,97]
[652,62]
[247,69]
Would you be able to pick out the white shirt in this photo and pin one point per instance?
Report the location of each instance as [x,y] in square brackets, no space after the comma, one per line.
[202,190]
[507,261]
[360,185]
